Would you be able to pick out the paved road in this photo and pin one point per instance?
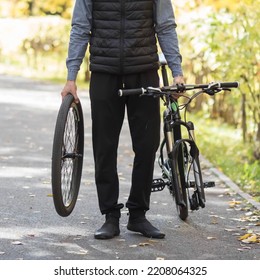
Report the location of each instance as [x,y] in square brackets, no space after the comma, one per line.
[31,229]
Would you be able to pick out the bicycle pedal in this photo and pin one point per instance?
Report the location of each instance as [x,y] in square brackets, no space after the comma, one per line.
[158,185]
[209,184]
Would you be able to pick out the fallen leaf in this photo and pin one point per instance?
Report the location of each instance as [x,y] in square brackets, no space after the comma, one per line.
[49,195]
[17,243]
[214,221]
[250,238]
[249,213]
[211,238]
[233,203]
[238,219]
[230,229]
[216,216]
[253,219]
[153,241]
[244,228]
[245,236]
[160,258]
[133,246]
[80,252]
[244,248]
[143,244]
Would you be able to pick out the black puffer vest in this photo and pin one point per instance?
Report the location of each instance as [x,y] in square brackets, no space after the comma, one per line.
[123,37]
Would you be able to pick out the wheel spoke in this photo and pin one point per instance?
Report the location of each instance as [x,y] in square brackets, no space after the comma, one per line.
[70,142]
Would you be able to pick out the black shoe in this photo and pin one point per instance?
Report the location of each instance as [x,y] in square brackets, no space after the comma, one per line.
[109,229]
[143,226]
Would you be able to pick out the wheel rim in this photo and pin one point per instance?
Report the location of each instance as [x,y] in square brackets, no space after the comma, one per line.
[69,157]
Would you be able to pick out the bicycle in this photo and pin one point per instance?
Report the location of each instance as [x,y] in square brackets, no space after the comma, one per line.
[67,156]
[181,171]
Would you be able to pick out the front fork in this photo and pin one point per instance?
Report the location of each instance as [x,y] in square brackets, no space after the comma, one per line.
[172,134]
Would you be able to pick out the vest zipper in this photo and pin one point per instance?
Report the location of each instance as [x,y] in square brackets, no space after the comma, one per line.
[122,31]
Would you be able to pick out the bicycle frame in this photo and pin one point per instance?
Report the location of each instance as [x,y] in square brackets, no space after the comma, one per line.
[173,140]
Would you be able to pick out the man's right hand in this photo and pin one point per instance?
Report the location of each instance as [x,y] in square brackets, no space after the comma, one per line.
[70,87]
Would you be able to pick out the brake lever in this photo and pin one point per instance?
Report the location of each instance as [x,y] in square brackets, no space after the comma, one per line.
[152,91]
[213,88]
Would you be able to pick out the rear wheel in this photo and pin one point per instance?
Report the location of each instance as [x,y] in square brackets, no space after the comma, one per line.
[67,156]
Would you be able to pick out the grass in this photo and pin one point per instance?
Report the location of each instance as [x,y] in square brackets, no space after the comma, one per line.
[49,69]
[222,146]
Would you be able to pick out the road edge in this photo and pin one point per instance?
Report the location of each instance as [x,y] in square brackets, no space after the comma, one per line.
[228,182]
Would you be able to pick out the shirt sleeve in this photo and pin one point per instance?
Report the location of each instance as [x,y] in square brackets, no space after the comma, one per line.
[165,27]
[79,36]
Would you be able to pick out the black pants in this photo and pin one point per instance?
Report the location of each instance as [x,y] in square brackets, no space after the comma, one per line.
[108,110]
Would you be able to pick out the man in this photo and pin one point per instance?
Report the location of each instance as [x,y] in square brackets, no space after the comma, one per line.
[123,54]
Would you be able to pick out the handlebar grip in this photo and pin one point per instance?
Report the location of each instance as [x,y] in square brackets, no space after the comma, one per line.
[127,92]
[229,85]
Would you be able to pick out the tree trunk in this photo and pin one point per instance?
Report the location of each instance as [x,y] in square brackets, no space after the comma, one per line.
[257,143]
[244,125]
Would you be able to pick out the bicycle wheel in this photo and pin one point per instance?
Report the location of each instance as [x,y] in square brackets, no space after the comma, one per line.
[194,179]
[67,156]
[179,184]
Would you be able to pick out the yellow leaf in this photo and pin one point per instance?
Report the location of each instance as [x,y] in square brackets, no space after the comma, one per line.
[233,203]
[244,236]
[250,238]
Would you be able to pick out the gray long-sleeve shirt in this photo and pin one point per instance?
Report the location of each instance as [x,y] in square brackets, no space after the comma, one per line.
[165,28]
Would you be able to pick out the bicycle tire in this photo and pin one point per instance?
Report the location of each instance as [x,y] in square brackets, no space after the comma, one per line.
[67,156]
[179,184]
[196,174]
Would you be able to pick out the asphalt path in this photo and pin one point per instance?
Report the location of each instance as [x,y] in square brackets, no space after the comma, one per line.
[30,229]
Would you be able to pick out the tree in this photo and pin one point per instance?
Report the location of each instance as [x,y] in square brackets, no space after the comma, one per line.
[235,42]
[21,8]
[225,46]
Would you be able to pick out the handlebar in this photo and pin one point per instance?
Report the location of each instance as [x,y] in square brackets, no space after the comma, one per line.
[210,89]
